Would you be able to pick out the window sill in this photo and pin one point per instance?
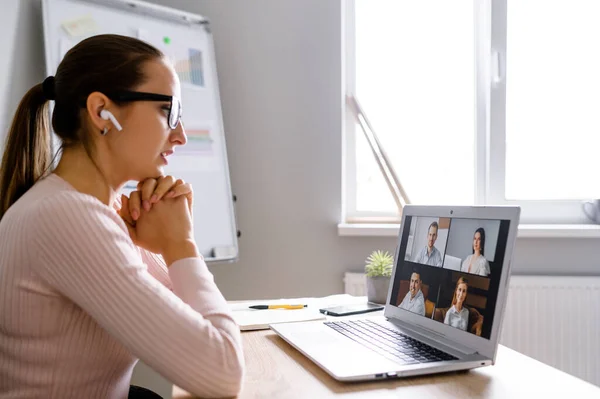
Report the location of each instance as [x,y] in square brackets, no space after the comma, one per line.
[525,230]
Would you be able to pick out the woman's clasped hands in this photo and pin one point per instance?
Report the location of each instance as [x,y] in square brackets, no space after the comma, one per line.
[158,216]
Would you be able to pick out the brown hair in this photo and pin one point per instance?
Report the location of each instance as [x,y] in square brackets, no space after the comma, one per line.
[433,224]
[460,281]
[105,63]
[481,232]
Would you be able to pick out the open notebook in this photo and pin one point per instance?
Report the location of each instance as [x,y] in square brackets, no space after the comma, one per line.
[252,319]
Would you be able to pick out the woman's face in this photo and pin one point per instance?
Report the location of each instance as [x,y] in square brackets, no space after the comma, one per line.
[144,145]
[477,242]
[461,293]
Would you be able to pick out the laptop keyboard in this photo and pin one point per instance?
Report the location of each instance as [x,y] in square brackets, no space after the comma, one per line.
[390,343]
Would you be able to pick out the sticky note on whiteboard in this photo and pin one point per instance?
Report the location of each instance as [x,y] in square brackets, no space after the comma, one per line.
[81,26]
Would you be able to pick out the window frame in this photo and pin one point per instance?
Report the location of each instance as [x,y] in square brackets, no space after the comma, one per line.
[349,204]
[490,17]
[532,212]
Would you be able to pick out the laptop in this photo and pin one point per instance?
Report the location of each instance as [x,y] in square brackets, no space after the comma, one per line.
[441,314]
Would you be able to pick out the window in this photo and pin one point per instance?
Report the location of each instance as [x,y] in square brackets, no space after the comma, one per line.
[544,61]
[473,106]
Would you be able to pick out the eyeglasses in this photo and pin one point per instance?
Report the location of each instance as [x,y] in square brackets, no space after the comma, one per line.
[174,109]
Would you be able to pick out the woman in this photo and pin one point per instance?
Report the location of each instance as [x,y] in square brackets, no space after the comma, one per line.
[477,263]
[85,290]
[458,315]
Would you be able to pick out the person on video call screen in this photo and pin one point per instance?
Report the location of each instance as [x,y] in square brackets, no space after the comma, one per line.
[430,255]
[414,300]
[477,263]
[458,315]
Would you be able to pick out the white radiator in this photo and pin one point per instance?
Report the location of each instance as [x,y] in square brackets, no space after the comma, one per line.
[355,284]
[555,320]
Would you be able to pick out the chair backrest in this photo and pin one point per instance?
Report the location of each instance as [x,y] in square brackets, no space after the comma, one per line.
[475,321]
[440,314]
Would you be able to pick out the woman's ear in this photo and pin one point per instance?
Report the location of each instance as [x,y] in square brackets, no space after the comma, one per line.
[95,103]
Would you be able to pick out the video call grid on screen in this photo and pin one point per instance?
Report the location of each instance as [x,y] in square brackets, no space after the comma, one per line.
[449,270]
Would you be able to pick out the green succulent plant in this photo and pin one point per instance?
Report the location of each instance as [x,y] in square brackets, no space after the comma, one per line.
[379,263]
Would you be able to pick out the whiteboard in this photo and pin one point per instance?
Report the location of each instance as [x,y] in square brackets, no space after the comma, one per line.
[186,39]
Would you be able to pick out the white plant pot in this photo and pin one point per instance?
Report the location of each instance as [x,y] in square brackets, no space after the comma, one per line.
[377,289]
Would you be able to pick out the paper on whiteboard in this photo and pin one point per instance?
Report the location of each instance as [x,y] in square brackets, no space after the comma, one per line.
[199,154]
[81,26]
[188,63]
[190,68]
[200,140]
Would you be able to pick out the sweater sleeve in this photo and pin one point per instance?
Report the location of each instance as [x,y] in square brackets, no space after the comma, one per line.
[83,249]
[157,267]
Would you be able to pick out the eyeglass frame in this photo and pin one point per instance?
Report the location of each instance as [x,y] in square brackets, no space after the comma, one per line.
[131,96]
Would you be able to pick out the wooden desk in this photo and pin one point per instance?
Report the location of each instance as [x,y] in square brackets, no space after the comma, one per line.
[274,369]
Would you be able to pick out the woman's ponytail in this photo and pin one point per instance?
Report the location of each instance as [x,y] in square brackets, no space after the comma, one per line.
[106,63]
[27,153]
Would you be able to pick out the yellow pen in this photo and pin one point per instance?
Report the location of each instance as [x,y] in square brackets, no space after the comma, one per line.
[263,307]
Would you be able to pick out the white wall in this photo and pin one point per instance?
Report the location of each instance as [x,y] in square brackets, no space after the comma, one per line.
[22,49]
[279,65]
[280,73]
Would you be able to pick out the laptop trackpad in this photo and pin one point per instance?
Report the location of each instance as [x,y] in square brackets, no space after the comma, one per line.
[334,351]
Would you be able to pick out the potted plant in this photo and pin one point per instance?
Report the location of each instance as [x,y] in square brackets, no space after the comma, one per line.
[379,271]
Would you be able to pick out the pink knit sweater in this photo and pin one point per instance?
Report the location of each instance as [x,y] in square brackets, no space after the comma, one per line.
[79,303]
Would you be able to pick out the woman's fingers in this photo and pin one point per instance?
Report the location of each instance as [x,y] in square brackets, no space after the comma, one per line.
[183,189]
[165,184]
[153,190]
[147,189]
[124,211]
[150,191]
[135,204]
[180,189]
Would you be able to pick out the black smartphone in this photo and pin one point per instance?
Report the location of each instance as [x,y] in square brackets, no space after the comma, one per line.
[346,310]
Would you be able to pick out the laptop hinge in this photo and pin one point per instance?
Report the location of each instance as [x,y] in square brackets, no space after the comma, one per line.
[434,336]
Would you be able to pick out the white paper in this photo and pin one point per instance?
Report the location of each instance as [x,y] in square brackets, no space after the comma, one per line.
[189,65]
[82,26]
[253,319]
[200,153]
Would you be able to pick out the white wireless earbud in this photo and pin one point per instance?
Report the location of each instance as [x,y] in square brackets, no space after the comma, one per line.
[106,115]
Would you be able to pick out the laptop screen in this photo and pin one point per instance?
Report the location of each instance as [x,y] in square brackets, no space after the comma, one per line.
[449,270]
